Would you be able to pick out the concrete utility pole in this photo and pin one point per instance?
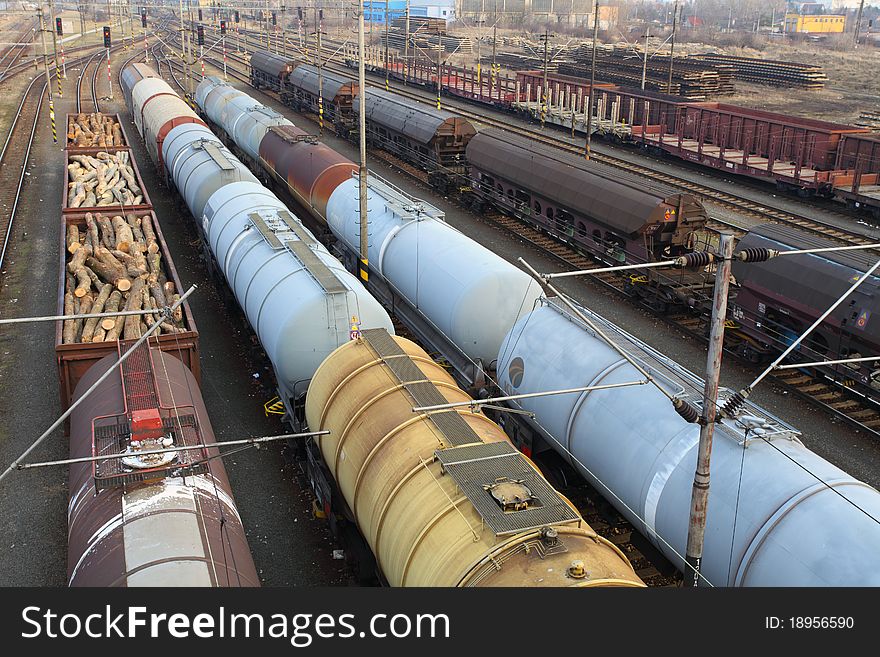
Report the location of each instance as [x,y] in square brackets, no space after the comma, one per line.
[589,125]
[362,129]
[645,57]
[543,99]
[672,47]
[858,23]
[386,45]
[55,43]
[494,45]
[700,492]
[42,29]
[406,44]
[319,17]
[439,66]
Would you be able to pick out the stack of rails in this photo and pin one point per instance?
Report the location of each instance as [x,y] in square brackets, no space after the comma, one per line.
[692,80]
[427,34]
[113,257]
[869,119]
[768,71]
[521,62]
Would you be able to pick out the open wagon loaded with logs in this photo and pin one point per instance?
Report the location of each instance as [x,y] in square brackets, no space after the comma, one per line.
[116,264]
[101,180]
[94,131]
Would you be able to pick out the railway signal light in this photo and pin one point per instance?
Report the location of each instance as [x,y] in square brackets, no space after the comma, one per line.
[200,15]
[106,36]
[144,17]
[200,35]
[59,29]
[274,18]
[299,13]
[222,27]
[237,18]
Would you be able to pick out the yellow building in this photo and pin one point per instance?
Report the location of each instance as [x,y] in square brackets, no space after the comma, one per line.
[815,24]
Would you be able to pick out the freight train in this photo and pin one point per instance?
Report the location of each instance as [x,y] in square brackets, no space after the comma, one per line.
[794,520]
[339,366]
[619,218]
[137,518]
[432,139]
[800,155]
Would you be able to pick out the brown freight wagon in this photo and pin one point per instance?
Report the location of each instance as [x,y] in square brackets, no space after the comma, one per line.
[72,155]
[74,359]
[75,148]
[793,151]
[857,179]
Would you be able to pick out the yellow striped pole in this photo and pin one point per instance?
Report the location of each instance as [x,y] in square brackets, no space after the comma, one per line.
[58,77]
[365,271]
[52,120]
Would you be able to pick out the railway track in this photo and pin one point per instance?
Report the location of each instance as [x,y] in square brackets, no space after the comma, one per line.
[93,85]
[14,158]
[17,148]
[14,52]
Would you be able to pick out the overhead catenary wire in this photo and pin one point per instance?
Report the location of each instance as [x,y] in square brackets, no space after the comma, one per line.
[474,403]
[168,450]
[168,312]
[56,318]
[576,311]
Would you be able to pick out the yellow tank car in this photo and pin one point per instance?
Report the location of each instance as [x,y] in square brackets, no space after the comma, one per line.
[442,497]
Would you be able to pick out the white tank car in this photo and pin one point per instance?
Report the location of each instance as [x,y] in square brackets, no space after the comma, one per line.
[472,295]
[199,164]
[298,298]
[242,118]
[778,514]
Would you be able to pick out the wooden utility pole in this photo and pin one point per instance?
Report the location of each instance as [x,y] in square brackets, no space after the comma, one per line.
[858,24]
[362,138]
[589,126]
[700,491]
[672,47]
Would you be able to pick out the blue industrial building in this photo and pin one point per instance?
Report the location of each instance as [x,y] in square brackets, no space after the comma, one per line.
[374,10]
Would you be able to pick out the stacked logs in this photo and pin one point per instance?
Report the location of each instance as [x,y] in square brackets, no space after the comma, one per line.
[93,130]
[102,179]
[116,265]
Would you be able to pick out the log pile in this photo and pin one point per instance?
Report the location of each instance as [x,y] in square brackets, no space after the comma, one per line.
[102,179]
[115,264]
[94,131]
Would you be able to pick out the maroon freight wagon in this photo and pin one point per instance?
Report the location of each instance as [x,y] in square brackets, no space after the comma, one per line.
[795,152]
[857,179]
